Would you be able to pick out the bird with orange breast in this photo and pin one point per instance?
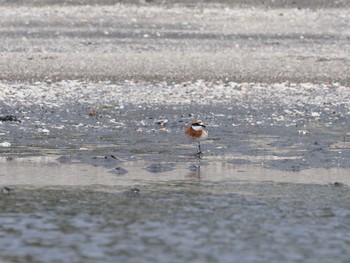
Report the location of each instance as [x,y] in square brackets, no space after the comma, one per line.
[197,132]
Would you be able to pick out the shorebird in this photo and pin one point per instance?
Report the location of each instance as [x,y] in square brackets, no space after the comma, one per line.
[197,132]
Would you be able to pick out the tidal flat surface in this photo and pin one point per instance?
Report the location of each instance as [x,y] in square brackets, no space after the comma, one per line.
[96,172]
[94,99]
[243,41]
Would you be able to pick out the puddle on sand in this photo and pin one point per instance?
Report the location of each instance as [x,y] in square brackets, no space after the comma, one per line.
[74,212]
[47,171]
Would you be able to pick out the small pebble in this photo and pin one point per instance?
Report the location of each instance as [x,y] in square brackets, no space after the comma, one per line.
[132,192]
[194,168]
[7,190]
[9,118]
[119,171]
[92,113]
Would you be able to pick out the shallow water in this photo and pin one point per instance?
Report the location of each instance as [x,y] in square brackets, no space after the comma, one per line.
[43,171]
[172,212]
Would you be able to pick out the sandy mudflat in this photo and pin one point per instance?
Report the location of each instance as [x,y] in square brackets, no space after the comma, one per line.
[175,41]
[93,79]
[94,99]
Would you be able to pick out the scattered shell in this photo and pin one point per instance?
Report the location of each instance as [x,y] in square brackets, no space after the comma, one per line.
[287,95]
[43,130]
[5,144]
[83,149]
[280,118]
[303,132]
[162,122]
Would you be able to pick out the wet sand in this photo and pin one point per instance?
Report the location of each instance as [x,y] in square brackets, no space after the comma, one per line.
[86,178]
[89,174]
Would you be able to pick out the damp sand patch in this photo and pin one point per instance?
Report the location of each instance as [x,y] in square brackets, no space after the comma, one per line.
[49,171]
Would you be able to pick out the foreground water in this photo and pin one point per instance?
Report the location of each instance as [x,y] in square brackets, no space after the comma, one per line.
[172,212]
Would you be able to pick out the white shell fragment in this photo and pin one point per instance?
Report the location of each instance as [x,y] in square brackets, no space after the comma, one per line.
[5,144]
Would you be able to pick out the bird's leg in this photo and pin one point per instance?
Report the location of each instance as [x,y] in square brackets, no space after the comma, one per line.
[199,152]
[199,147]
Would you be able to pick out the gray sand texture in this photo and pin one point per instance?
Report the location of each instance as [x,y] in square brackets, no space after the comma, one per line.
[94,100]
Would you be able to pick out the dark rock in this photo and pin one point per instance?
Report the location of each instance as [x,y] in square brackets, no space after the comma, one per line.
[9,118]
